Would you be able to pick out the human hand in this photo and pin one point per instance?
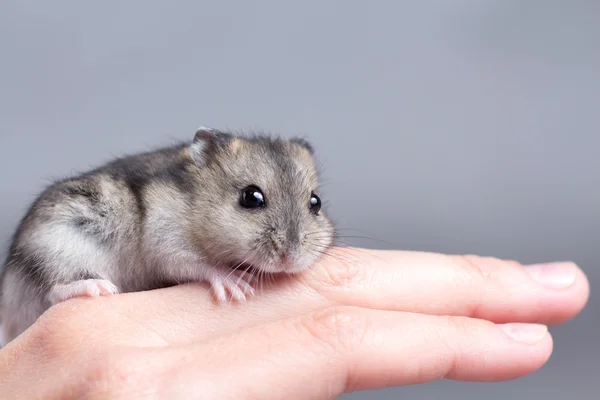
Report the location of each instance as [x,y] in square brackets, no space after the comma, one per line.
[359,319]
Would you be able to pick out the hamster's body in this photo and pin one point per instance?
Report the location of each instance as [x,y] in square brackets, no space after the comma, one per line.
[203,211]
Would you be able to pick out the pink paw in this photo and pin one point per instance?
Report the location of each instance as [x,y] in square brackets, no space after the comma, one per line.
[236,284]
[84,288]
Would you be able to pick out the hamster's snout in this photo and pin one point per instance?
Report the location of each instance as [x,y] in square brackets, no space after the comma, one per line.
[288,250]
[281,250]
[289,255]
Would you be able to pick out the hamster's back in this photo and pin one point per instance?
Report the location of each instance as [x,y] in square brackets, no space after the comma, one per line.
[81,227]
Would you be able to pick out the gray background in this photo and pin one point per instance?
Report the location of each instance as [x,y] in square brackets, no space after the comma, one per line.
[452,126]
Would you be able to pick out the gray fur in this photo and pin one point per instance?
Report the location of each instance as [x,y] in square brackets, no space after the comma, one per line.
[166,217]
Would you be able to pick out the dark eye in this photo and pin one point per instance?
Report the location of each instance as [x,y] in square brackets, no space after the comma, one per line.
[252,197]
[315,203]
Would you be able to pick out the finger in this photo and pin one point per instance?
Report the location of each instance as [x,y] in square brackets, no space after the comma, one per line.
[339,350]
[430,283]
[438,284]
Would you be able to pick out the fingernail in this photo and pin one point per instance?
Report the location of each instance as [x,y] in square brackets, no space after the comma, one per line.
[559,275]
[525,333]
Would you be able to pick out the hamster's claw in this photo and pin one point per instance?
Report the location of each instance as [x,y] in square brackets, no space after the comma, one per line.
[236,284]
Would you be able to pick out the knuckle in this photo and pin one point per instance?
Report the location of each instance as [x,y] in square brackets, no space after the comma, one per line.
[340,272]
[484,269]
[474,276]
[450,334]
[511,264]
[343,329]
[456,329]
[473,268]
[456,326]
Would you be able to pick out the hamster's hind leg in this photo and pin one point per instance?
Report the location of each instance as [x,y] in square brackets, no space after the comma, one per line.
[67,261]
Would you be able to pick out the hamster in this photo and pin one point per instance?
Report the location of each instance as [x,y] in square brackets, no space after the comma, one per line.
[222,208]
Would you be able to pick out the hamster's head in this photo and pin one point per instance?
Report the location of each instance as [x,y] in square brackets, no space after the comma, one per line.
[257,203]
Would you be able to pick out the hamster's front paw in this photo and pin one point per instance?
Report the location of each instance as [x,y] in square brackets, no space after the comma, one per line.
[234,283]
[83,288]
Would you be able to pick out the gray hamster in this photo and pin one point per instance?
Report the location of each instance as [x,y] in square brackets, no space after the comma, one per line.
[221,208]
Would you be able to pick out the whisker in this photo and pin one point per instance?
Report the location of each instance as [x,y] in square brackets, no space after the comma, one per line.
[234,269]
[244,273]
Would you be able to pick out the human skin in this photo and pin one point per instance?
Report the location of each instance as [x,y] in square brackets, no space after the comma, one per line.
[359,319]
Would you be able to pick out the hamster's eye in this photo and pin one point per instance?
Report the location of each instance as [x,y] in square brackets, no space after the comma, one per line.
[252,197]
[315,203]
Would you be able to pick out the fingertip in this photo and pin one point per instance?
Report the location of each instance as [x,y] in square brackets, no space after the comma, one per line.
[567,303]
[535,347]
[535,356]
[521,349]
[582,288]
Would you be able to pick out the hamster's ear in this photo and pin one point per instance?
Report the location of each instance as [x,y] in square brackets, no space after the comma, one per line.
[303,143]
[206,142]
